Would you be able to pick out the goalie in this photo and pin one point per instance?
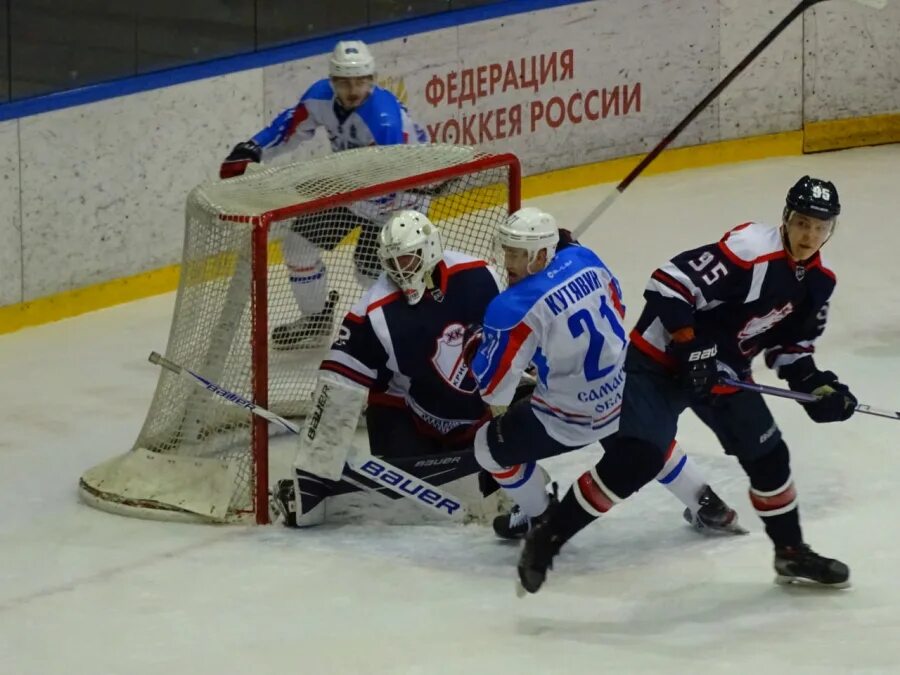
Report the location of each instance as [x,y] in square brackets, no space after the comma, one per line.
[400,350]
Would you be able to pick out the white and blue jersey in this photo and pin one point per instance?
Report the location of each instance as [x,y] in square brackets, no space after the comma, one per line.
[381,120]
[566,320]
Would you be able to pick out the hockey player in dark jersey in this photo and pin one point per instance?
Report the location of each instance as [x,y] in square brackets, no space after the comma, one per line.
[711,310]
[401,343]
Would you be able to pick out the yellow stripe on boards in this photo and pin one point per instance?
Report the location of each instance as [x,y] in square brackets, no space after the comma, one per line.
[816,136]
[677,159]
[851,133]
[88,299]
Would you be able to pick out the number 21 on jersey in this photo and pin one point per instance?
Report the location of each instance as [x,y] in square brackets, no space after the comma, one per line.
[606,335]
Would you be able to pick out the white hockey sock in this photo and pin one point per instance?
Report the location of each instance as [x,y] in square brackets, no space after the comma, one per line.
[682,478]
[307,273]
[523,483]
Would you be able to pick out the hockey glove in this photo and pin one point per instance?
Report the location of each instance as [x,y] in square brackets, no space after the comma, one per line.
[835,403]
[699,373]
[236,163]
[472,337]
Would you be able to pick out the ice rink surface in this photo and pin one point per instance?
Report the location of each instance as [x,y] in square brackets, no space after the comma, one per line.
[82,591]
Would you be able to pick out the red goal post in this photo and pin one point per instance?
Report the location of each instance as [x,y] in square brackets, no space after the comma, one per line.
[199,458]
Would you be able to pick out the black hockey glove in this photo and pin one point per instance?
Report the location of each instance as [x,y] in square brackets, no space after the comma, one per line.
[472,337]
[835,403]
[236,163]
[699,374]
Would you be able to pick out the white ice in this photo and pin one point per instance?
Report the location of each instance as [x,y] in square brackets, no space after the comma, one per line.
[82,591]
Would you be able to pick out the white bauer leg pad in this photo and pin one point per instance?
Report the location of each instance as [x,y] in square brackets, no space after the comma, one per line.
[326,439]
[681,477]
[523,483]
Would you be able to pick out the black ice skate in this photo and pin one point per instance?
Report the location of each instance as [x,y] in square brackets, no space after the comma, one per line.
[801,564]
[714,515]
[542,544]
[307,332]
[283,501]
[515,524]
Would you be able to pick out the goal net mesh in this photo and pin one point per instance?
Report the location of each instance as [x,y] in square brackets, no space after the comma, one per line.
[272,261]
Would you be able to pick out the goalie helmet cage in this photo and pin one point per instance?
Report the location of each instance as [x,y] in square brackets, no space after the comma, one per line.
[199,458]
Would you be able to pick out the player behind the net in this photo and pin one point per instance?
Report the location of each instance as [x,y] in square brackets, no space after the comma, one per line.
[562,313]
[355,113]
[711,310]
[399,350]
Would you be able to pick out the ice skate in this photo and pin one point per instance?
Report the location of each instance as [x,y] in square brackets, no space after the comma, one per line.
[283,501]
[307,332]
[714,515]
[800,564]
[515,524]
[542,544]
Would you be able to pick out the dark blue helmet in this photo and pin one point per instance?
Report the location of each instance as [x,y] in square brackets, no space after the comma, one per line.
[813,197]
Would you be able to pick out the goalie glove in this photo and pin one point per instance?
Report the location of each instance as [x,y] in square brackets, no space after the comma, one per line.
[835,403]
[236,163]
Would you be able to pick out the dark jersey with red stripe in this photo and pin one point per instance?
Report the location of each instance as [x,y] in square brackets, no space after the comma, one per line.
[744,293]
[411,355]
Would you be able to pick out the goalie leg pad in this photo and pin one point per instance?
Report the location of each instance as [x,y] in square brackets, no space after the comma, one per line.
[328,434]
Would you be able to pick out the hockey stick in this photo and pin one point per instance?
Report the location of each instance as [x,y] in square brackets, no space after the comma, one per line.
[373,468]
[672,135]
[803,398]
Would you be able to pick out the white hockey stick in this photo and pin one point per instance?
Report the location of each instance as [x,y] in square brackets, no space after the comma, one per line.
[608,201]
[373,468]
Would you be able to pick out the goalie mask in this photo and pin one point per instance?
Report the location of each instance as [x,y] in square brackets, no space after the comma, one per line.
[527,232]
[409,247]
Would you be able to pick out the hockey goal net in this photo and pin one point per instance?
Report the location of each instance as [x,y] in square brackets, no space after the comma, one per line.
[198,457]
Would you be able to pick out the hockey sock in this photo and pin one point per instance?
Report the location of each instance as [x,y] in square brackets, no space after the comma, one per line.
[307,274]
[626,466]
[774,497]
[523,483]
[681,477]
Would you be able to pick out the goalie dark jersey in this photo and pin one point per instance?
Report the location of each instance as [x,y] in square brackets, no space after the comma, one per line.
[411,355]
[745,293]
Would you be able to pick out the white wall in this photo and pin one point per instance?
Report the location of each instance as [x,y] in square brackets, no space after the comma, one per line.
[10,222]
[103,184]
[852,61]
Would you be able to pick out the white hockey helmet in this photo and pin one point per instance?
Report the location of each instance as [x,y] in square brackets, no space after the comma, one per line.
[411,235]
[530,229]
[351,58]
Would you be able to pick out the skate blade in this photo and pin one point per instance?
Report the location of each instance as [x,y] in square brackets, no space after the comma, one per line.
[801,582]
[728,530]
[520,590]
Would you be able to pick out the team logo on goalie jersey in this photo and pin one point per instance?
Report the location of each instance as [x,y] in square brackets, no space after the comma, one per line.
[447,359]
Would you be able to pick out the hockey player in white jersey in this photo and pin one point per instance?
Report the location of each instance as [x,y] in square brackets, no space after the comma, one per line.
[355,113]
[562,313]
[399,350]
